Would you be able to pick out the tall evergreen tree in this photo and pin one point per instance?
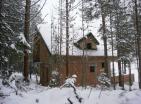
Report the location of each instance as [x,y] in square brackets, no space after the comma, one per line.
[138,38]
[11,25]
[96,9]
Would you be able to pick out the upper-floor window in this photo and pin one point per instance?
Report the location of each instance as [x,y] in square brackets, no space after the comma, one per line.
[89,46]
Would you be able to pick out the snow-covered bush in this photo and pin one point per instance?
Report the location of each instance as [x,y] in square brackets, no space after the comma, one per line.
[104,80]
[14,81]
[70,82]
[54,79]
[5,75]
[21,85]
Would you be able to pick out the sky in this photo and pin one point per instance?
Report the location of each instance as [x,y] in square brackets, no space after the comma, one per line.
[51,8]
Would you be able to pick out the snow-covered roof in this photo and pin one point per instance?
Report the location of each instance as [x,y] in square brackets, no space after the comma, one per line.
[45,31]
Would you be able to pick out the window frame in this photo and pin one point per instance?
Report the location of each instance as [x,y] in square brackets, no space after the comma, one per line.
[92,68]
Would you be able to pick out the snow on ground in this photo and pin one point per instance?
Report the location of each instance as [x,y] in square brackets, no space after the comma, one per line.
[37,94]
[42,95]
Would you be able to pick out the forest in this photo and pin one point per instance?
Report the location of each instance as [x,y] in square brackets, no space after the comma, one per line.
[70,51]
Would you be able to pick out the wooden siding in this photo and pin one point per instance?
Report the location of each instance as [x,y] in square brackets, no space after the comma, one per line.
[75,65]
[36,49]
[126,79]
[41,55]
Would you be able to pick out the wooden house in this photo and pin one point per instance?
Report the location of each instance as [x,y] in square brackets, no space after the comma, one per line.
[86,57]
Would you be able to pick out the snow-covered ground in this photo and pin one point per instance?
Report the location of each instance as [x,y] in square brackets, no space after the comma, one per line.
[42,95]
[36,94]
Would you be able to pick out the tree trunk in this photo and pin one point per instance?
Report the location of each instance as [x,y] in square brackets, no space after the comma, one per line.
[26,33]
[120,73]
[118,47]
[1,8]
[113,65]
[61,27]
[67,39]
[105,40]
[138,43]
[1,5]
[125,67]
[130,79]
[83,77]
[26,65]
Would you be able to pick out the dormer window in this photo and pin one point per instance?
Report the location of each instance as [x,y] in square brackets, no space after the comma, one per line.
[89,46]
[89,42]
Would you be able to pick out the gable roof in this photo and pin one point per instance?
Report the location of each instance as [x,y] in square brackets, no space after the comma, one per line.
[45,32]
[89,35]
[44,42]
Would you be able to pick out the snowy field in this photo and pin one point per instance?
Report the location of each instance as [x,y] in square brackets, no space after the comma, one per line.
[36,94]
[42,95]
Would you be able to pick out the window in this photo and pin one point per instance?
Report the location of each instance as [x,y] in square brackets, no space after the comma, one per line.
[102,64]
[92,68]
[89,46]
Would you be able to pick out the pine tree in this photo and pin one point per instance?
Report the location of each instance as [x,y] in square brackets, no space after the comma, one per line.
[138,38]
[11,26]
[9,31]
[26,34]
[96,9]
